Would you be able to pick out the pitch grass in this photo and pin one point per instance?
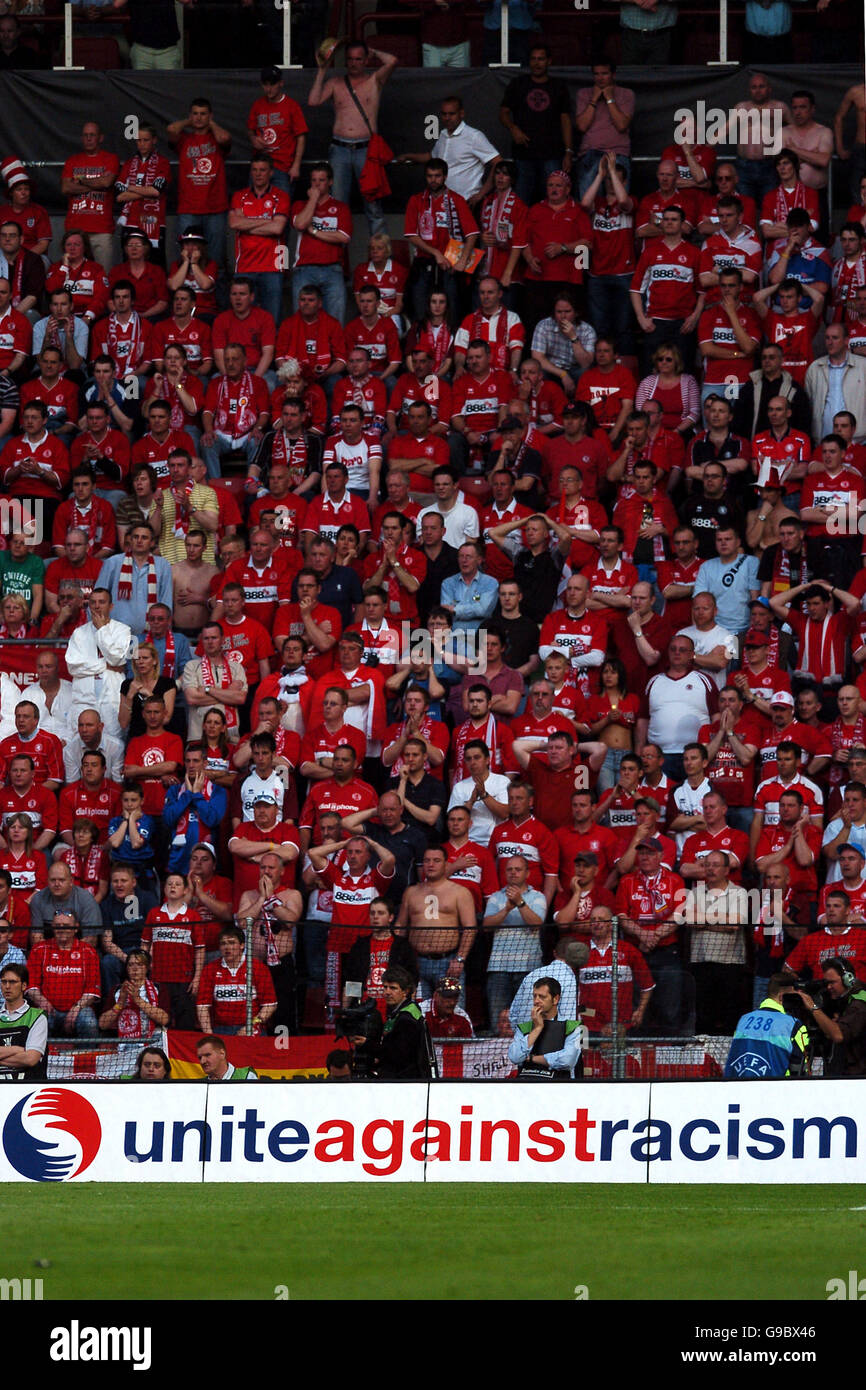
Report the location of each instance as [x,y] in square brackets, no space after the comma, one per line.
[455,1241]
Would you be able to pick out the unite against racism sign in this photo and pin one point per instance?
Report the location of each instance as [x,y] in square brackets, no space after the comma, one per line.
[645,1132]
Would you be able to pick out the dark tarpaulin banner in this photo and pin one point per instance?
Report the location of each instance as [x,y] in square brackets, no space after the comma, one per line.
[41,113]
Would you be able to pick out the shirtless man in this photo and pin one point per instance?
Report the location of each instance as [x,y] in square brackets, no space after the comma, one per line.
[271,909]
[352,131]
[191,579]
[441,919]
[854,97]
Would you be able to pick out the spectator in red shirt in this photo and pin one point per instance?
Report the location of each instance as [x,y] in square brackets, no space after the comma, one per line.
[221,1001]
[202,198]
[324,225]
[258,216]
[667,275]
[64,979]
[88,180]
[151,290]
[174,936]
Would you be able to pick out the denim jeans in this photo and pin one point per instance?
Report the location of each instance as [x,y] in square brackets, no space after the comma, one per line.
[347,164]
[329,279]
[452,56]
[86,1025]
[740,818]
[214,225]
[755,178]
[587,168]
[280,178]
[609,771]
[531,181]
[223,444]
[609,309]
[268,286]
[430,971]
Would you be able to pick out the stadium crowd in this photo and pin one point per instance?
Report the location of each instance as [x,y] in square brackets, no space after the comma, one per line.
[428,611]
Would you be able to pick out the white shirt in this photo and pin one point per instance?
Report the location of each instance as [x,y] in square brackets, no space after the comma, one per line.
[467,152]
[91,651]
[483,820]
[678,708]
[461,523]
[689,801]
[57,722]
[705,642]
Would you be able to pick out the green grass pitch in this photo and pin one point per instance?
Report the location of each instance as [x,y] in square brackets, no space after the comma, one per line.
[451,1241]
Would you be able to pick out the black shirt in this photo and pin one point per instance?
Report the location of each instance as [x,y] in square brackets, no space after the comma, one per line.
[407,846]
[521,638]
[536,108]
[153,23]
[538,577]
[341,589]
[428,793]
[705,515]
[429,592]
[126,917]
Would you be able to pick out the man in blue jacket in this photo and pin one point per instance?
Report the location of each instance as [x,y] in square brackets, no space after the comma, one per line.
[193,809]
[768,1042]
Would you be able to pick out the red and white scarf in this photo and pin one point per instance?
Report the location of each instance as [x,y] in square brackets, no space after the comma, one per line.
[785,201]
[268,919]
[499,344]
[208,678]
[143,174]
[770,929]
[85,868]
[124,581]
[168,393]
[87,522]
[819,650]
[167,668]
[246,415]
[496,219]
[181,498]
[131,359]
[16,279]
[133,1022]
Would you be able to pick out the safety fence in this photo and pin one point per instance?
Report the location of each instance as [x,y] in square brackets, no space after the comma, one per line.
[465,1059]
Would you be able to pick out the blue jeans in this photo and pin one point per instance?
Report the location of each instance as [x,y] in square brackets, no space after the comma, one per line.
[608,308]
[268,286]
[214,225]
[755,178]
[609,772]
[347,163]
[531,181]
[740,817]
[587,168]
[213,453]
[329,279]
[86,1025]
[430,972]
[280,178]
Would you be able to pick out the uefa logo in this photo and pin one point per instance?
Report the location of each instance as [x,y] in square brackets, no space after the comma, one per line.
[30,1135]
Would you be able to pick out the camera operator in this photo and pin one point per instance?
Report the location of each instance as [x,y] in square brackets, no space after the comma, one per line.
[405,1051]
[842,1021]
[769,1042]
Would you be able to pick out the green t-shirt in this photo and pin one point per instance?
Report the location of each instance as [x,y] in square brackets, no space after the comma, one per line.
[19,576]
